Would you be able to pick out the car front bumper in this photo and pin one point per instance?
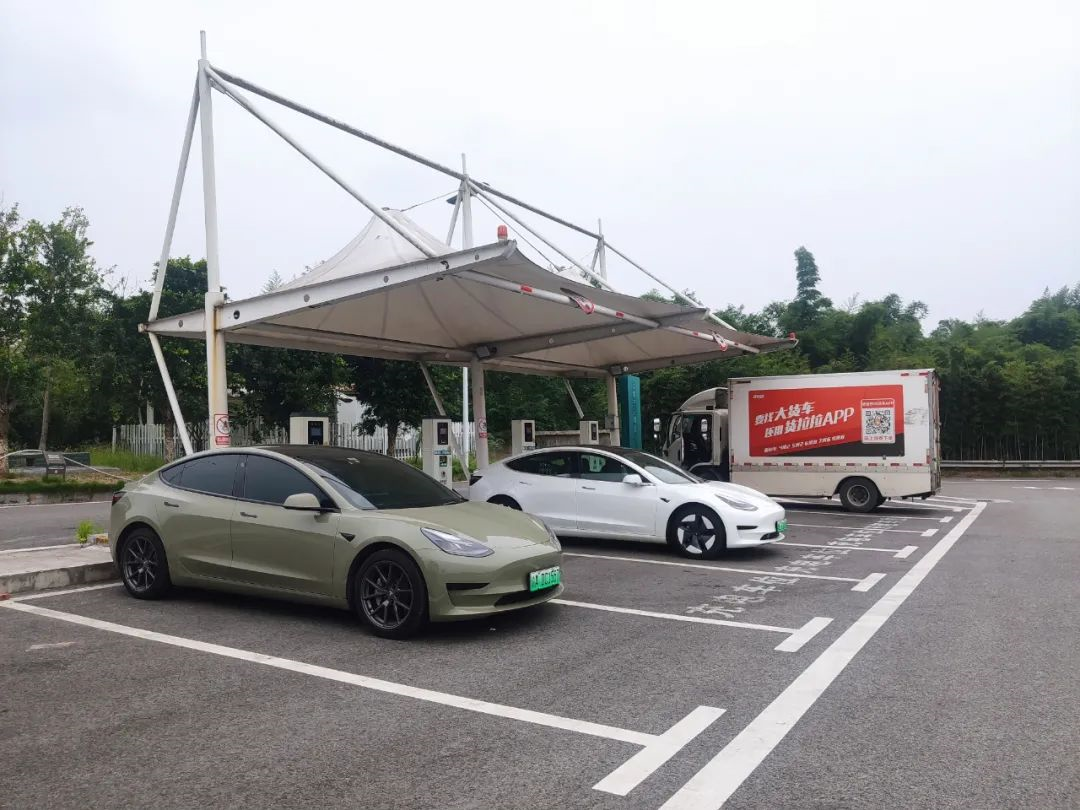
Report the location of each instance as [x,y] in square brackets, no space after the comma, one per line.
[462,587]
[756,529]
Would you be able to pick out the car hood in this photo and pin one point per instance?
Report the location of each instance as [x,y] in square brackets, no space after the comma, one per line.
[740,492]
[494,526]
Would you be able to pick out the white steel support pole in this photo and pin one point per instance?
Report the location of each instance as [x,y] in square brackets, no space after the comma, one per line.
[601,251]
[170,392]
[464,201]
[613,410]
[573,398]
[479,404]
[217,394]
[174,206]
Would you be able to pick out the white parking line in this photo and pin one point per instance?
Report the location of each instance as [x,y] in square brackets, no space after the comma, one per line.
[797,636]
[677,617]
[868,583]
[901,554]
[831,513]
[869,528]
[713,567]
[904,506]
[63,591]
[658,748]
[796,640]
[645,762]
[929,532]
[714,784]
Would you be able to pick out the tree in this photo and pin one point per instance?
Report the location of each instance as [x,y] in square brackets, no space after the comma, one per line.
[396,394]
[14,365]
[63,290]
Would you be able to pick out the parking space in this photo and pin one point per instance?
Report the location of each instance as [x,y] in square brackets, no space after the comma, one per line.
[653,681]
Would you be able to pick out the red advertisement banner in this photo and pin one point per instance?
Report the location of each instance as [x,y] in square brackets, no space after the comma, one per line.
[858,420]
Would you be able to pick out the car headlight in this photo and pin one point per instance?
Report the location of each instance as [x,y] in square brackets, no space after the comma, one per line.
[735,503]
[551,535]
[457,544]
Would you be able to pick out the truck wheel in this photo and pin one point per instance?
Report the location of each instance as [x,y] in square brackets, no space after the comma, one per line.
[859,495]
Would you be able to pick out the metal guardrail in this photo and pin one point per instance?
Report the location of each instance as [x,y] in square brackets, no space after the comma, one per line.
[992,464]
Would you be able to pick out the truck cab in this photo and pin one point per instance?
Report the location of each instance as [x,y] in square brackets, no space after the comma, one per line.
[697,434]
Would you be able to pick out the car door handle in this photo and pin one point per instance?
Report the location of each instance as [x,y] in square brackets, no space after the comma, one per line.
[173,505]
[248,514]
[591,489]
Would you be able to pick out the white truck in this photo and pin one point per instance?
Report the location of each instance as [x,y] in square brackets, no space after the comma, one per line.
[866,436]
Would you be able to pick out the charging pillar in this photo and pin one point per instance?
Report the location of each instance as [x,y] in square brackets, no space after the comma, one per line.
[588,432]
[435,450]
[522,436]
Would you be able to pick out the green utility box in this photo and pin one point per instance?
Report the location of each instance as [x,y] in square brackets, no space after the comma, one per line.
[628,388]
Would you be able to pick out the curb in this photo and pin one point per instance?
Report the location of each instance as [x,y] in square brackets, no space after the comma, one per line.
[11,584]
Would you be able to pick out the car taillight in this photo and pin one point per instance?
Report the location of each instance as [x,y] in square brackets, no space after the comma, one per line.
[474,478]
[117,496]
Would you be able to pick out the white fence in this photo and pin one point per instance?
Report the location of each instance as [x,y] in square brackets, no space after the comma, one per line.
[151,439]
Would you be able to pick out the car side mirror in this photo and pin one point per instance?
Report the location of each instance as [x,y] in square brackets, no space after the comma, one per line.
[634,479]
[304,502]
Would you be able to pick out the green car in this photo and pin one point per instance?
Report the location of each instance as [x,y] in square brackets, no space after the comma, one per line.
[333,526]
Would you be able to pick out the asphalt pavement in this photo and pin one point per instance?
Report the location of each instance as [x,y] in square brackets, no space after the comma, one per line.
[923,656]
[36,525]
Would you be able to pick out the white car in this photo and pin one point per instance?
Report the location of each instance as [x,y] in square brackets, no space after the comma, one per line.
[630,495]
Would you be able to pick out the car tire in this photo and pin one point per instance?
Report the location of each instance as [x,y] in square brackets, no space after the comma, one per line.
[860,495]
[697,532]
[144,568]
[505,500]
[390,595]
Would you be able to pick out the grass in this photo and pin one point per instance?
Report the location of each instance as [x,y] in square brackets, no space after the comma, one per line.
[54,485]
[85,529]
[105,456]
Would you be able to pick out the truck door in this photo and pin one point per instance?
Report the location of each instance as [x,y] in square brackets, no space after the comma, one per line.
[673,445]
[697,440]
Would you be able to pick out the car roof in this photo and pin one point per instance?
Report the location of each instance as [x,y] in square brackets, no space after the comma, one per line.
[320,452]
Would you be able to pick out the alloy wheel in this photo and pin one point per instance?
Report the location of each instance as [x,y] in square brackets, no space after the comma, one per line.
[696,533]
[386,594]
[141,564]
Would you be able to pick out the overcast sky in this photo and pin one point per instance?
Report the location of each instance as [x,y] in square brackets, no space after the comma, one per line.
[926,148]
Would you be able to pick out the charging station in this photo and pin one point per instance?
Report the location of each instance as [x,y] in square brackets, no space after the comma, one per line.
[522,436]
[435,450]
[589,432]
[309,428]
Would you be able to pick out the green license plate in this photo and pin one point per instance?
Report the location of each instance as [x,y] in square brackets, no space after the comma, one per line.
[781,525]
[545,578]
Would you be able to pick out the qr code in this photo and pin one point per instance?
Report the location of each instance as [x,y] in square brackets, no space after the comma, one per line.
[877,426]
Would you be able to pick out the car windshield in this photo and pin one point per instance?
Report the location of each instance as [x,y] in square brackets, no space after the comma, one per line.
[657,467]
[371,481]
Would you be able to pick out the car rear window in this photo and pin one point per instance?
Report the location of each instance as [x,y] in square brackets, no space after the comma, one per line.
[213,474]
[559,465]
